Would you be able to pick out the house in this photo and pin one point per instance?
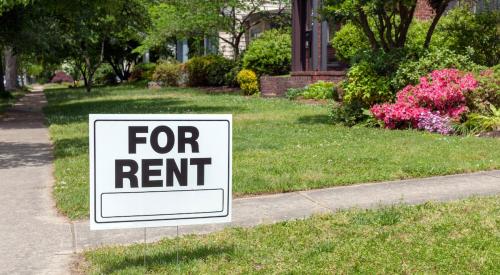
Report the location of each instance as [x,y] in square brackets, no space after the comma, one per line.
[313,58]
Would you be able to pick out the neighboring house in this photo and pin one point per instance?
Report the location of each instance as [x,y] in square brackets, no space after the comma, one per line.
[256,23]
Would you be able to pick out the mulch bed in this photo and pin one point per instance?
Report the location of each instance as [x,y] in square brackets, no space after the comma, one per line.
[493,134]
[223,89]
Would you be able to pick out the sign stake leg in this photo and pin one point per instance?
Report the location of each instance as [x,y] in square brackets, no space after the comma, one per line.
[178,266]
[145,246]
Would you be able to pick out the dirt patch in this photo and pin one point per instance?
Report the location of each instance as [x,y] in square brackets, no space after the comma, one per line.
[80,264]
[217,90]
[492,134]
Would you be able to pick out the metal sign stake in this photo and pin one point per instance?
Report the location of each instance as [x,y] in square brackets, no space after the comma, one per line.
[178,266]
[145,246]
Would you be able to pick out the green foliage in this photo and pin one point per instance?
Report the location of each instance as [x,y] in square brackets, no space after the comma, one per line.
[219,69]
[168,73]
[230,77]
[320,90]
[473,34]
[142,71]
[487,93]
[410,71]
[293,93]
[270,54]
[347,113]
[349,42]
[477,123]
[365,85]
[248,81]
[210,70]
[105,75]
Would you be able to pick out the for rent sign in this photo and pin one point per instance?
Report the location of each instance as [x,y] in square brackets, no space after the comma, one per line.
[159,170]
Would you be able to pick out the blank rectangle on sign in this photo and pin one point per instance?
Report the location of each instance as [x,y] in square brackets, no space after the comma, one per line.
[136,204]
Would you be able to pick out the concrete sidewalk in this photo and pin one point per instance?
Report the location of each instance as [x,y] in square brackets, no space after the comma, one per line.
[296,205]
[35,240]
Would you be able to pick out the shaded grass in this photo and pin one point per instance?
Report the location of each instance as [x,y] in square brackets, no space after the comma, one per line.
[9,98]
[449,238]
[278,145]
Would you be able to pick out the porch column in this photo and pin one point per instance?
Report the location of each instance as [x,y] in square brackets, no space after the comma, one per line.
[298,35]
[315,36]
[325,37]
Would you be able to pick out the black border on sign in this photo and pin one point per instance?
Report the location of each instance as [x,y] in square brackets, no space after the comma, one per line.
[152,215]
[153,220]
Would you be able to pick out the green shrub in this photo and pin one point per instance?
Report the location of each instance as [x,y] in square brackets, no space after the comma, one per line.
[477,123]
[349,42]
[105,75]
[473,34]
[196,69]
[168,73]
[319,90]
[142,71]
[208,70]
[365,85]
[293,93]
[487,93]
[230,77]
[347,113]
[270,54]
[248,81]
[218,69]
[410,71]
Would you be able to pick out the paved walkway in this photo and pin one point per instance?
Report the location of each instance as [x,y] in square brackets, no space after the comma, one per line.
[35,240]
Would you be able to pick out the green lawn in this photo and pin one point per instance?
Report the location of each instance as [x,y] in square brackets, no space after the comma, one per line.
[453,238]
[278,145]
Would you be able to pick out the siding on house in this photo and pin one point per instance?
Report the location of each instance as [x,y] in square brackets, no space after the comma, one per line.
[226,49]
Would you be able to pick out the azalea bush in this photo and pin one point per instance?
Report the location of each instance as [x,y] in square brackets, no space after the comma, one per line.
[431,105]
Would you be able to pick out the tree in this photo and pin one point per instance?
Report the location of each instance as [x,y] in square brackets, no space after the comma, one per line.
[384,22]
[228,20]
[96,31]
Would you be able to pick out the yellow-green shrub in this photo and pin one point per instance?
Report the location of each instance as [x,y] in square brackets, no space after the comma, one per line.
[248,81]
[168,73]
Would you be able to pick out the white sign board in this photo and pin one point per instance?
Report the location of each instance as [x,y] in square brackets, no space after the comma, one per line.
[159,170]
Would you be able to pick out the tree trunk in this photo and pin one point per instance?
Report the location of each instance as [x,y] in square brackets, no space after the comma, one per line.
[439,12]
[2,86]
[117,70]
[363,20]
[10,70]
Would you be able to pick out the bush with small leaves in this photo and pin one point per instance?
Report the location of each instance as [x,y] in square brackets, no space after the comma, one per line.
[248,81]
[168,73]
[320,90]
[270,54]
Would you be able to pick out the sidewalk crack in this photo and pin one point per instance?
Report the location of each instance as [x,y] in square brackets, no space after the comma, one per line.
[303,194]
[73,237]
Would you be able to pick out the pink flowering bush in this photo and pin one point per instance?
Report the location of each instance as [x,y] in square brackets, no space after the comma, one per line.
[60,77]
[430,105]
